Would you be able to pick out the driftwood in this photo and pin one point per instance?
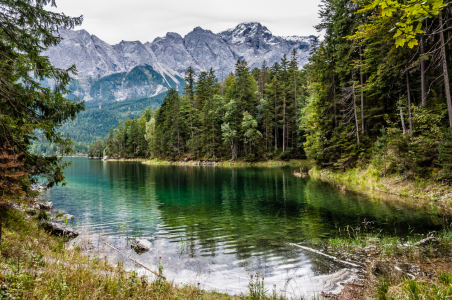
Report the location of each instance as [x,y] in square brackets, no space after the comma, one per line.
[135,261]
[355,265]
[430,239]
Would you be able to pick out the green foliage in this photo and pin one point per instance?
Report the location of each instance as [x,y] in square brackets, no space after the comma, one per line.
[218,120]
[367,99]
[383,288]
[408,16]
[43,216]
[256,287]
[30,108]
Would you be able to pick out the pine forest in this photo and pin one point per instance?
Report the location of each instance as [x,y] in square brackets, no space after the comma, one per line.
[375,91]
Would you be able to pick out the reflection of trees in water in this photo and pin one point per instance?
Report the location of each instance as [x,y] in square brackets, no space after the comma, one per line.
[230,210]
[241,209]
[342,209]
[238,210]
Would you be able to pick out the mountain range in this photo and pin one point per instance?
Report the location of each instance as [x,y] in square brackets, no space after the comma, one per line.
[133,70]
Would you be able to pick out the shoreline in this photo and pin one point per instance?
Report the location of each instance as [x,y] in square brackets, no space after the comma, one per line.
[236,163]
[37,265]
[419,192]
[381,257]
[423,192]
[398,259]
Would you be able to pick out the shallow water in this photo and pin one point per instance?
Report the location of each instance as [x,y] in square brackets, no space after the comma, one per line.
[217,225]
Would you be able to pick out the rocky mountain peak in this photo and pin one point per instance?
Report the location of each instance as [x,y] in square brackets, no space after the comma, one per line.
[198,28]
[174,36]
[169,56]
[248,32]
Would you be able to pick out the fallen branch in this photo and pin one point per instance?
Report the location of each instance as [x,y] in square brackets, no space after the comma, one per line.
[403,272]
[135,261]
[355,265]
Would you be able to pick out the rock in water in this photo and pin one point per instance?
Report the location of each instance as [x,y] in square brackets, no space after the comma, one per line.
[141,245]
[38,187]
[63,218]
[60,229]
[46,205]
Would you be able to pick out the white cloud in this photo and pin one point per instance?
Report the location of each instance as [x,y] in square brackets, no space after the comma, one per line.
[115,20]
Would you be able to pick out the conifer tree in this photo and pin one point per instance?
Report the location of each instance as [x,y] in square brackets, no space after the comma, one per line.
[28,108]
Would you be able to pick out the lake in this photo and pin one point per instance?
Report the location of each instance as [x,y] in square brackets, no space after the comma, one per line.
[217,225]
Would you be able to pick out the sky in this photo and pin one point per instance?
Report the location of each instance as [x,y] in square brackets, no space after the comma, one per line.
[144,20]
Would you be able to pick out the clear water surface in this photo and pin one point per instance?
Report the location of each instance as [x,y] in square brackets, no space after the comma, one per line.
[217,225]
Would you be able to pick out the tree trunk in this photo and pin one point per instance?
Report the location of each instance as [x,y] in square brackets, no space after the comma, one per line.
[362,92]
[410,120]
[402,120]
[276,125]
[445,71]
[266,136]
[284,124]
[423,91]
[213,140]
[295,106]
[1,222]
[334,100]
[356,114]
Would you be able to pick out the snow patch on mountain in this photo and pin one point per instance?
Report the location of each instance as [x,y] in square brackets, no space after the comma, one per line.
[163,61]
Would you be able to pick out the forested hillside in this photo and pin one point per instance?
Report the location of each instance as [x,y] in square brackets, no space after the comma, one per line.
[94,123]
[376,90]
[251,114]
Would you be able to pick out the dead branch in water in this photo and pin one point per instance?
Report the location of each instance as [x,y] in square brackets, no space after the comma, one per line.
[134,260]
[355,265]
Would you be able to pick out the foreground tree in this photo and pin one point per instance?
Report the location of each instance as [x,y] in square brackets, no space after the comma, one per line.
[28,107]
[12,179]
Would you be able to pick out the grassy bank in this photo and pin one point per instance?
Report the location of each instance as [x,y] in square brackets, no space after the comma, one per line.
[235,163]
[415,191]
[35,265]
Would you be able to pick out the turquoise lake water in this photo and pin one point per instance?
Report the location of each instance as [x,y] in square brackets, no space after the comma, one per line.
[217,225]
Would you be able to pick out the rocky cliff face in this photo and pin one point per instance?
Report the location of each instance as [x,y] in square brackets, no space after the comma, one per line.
[170,51]
[255,43]
[130,70]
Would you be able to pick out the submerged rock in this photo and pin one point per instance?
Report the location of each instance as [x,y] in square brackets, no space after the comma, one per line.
[60,229]
[141,245]
[46,205]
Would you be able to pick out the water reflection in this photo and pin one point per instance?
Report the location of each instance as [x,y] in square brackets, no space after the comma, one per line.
[217,225]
